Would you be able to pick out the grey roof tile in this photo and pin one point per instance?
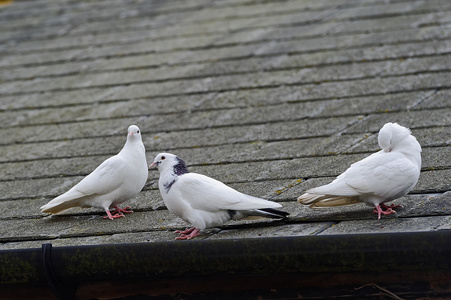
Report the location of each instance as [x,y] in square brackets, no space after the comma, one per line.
[272,98]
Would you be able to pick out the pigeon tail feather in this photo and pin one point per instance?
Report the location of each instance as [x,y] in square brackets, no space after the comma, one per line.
[268,213]
[57,207]
[61,203]
[317,201]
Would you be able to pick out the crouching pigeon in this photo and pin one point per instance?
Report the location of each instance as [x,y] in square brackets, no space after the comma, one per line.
[203,201]
[379,178]
[116,180]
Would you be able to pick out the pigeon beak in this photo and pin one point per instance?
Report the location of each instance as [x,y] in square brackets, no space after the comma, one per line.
[152,165]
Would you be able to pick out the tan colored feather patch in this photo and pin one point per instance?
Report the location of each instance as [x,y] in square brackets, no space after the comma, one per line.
[317,201]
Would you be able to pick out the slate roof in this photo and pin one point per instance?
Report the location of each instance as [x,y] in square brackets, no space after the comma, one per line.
[270,97]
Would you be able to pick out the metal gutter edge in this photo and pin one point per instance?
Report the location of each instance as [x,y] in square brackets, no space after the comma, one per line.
[69,266]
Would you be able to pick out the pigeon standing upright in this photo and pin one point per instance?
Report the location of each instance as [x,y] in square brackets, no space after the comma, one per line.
[379,178]
[203,201]
[116,180]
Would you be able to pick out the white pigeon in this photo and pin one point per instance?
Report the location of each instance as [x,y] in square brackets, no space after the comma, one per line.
[116,180]
[379,178]
[203,201]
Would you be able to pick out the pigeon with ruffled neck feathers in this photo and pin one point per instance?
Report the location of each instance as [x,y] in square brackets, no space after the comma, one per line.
[379,178]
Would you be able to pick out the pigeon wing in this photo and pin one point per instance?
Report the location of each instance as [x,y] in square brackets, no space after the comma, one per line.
[382,174]
[205,193]
[104,179]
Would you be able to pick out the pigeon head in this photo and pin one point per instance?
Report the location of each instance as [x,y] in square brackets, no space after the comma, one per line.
[134,132]
[391,134]
[168,161]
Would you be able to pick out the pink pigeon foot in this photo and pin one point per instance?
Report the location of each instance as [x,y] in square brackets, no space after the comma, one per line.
[388,210]
[186,231]
[117,212]
[392,206]
[111,217]
[187,234]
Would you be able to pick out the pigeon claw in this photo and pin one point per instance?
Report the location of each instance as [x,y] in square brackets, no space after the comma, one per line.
[392,206]
[117,212]
[188,233]
[388,210]
[115,216]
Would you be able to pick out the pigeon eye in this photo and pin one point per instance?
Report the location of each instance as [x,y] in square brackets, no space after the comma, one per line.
[137,131]
[163,157]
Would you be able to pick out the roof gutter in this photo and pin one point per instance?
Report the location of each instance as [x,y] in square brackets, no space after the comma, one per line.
[64,268]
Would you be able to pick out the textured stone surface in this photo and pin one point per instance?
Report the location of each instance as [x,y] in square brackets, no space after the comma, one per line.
[270,97]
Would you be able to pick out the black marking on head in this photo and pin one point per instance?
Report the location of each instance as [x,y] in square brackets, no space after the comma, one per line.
[167,186]
[180,167]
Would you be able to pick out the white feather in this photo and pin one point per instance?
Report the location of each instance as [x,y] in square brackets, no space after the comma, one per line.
[116,180]
[203,201]
[382,177]
[209,194]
